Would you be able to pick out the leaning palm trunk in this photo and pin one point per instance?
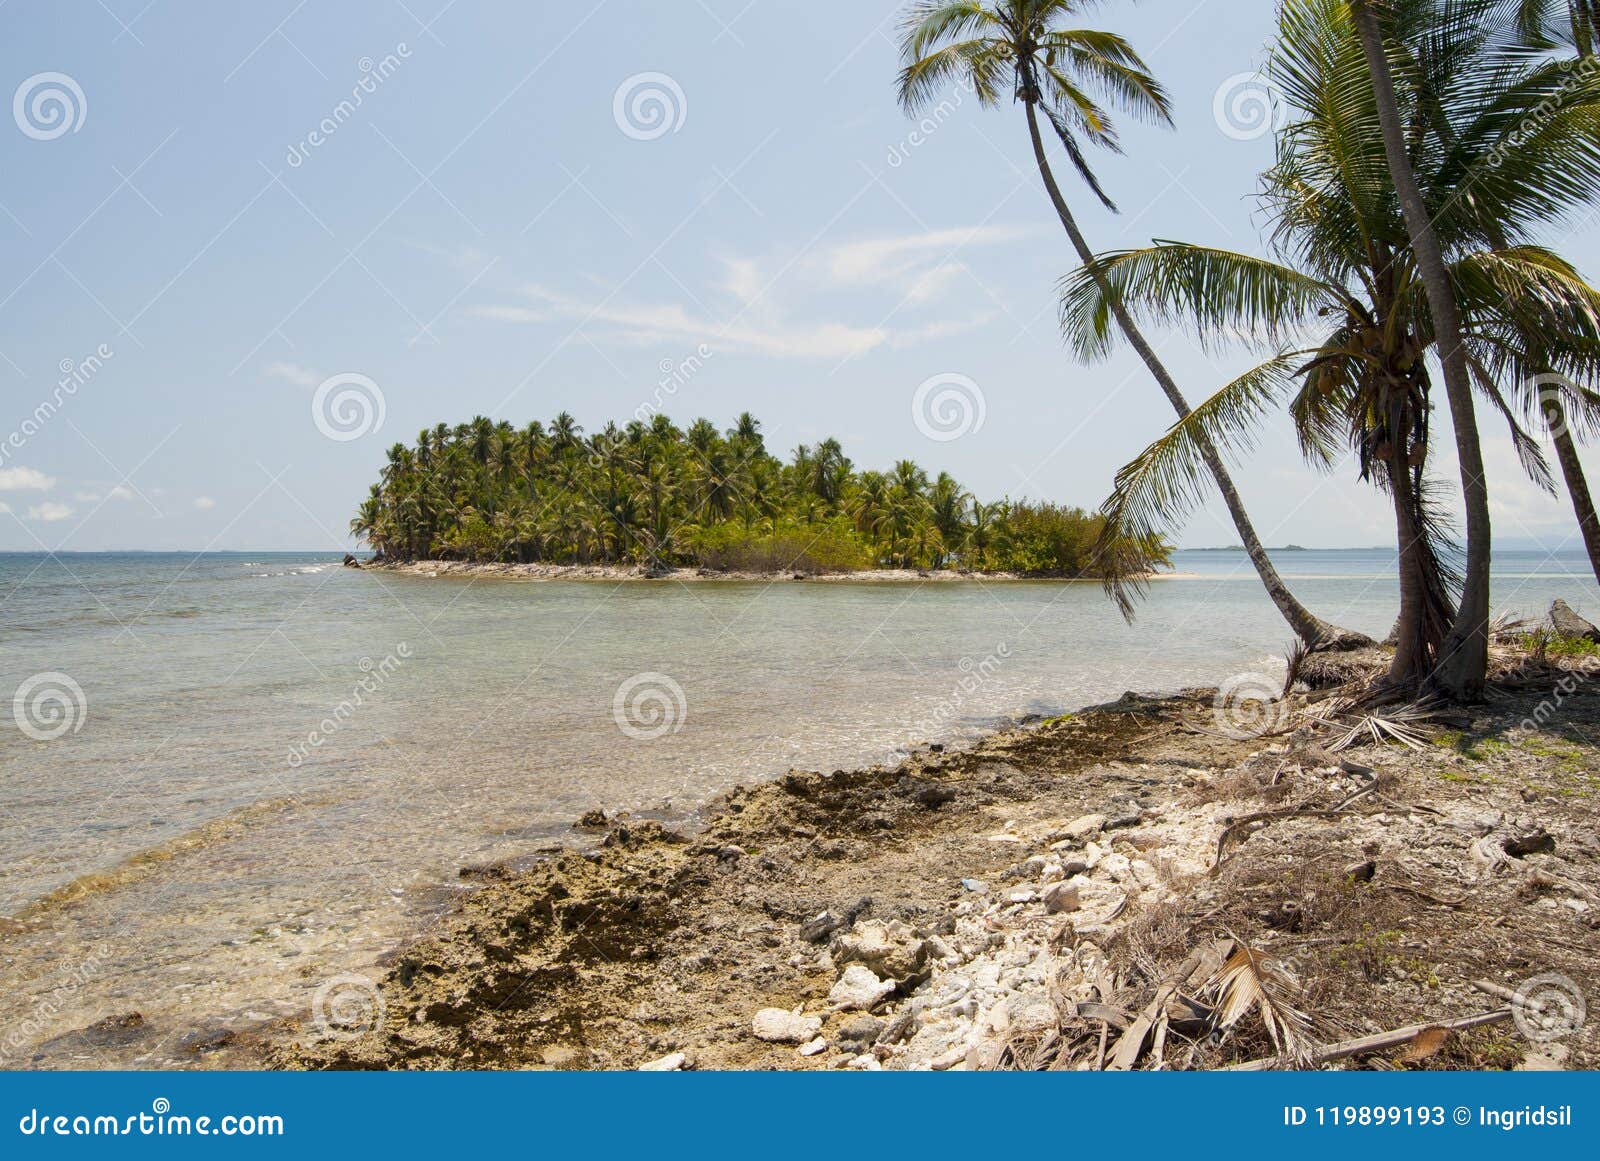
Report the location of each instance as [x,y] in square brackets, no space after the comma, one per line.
[1585,24]
[1577,489]
[1310,628]
[1464,662]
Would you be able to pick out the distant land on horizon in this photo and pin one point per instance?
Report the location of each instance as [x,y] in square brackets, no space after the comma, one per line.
[1279,548]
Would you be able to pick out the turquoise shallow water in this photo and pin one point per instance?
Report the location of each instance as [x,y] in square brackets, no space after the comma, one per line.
[276,765]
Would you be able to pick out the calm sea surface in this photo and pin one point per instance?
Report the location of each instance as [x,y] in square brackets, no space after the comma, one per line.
[230,778]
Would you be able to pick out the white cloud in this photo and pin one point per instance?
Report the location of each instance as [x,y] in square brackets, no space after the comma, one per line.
[5,508]
[909,258]
[905,272]
[120,492]
[24,479]
[294,373]
[49,511]
[670,322]
[743,279]
[941,329]
[204,502]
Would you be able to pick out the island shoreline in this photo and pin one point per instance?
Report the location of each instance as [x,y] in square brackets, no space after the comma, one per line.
[631,572]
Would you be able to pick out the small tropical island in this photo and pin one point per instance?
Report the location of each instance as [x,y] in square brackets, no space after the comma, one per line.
[650,499]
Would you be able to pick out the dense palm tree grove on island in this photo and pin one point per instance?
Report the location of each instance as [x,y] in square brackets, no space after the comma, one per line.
[660,496]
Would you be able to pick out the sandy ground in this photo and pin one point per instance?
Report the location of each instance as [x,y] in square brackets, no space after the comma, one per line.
[1022,903]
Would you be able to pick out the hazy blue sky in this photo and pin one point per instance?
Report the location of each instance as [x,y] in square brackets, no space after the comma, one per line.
[481,234]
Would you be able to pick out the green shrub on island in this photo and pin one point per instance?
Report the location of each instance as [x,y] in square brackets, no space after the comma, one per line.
[655,495]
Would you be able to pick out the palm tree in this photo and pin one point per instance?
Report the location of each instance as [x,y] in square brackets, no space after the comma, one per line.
[1546,24]
[1348,263]
[947,509]
[1055,70]
[1464,663]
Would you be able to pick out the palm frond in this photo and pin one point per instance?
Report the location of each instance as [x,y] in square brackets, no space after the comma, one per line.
[1159,488]
[1221,294]
[1250,981]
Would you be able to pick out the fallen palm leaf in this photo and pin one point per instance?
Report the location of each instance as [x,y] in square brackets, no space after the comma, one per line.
[1249,980]
[1425,1044]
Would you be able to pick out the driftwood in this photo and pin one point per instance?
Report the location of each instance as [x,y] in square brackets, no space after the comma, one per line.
[1378,1042]
[1270,816]
[1510,995]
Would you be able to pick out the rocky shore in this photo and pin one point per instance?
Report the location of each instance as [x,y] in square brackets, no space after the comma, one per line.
[632,572]
[1135,886]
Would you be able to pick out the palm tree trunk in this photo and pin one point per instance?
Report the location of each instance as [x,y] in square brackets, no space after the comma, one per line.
[1464,663]
[1425,612]
[1311,629]
[1584,19]
[1578,490]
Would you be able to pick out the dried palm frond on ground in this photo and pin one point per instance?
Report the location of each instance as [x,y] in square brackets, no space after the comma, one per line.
[1249,980]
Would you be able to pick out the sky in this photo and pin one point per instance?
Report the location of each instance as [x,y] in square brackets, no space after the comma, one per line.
[244,248]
